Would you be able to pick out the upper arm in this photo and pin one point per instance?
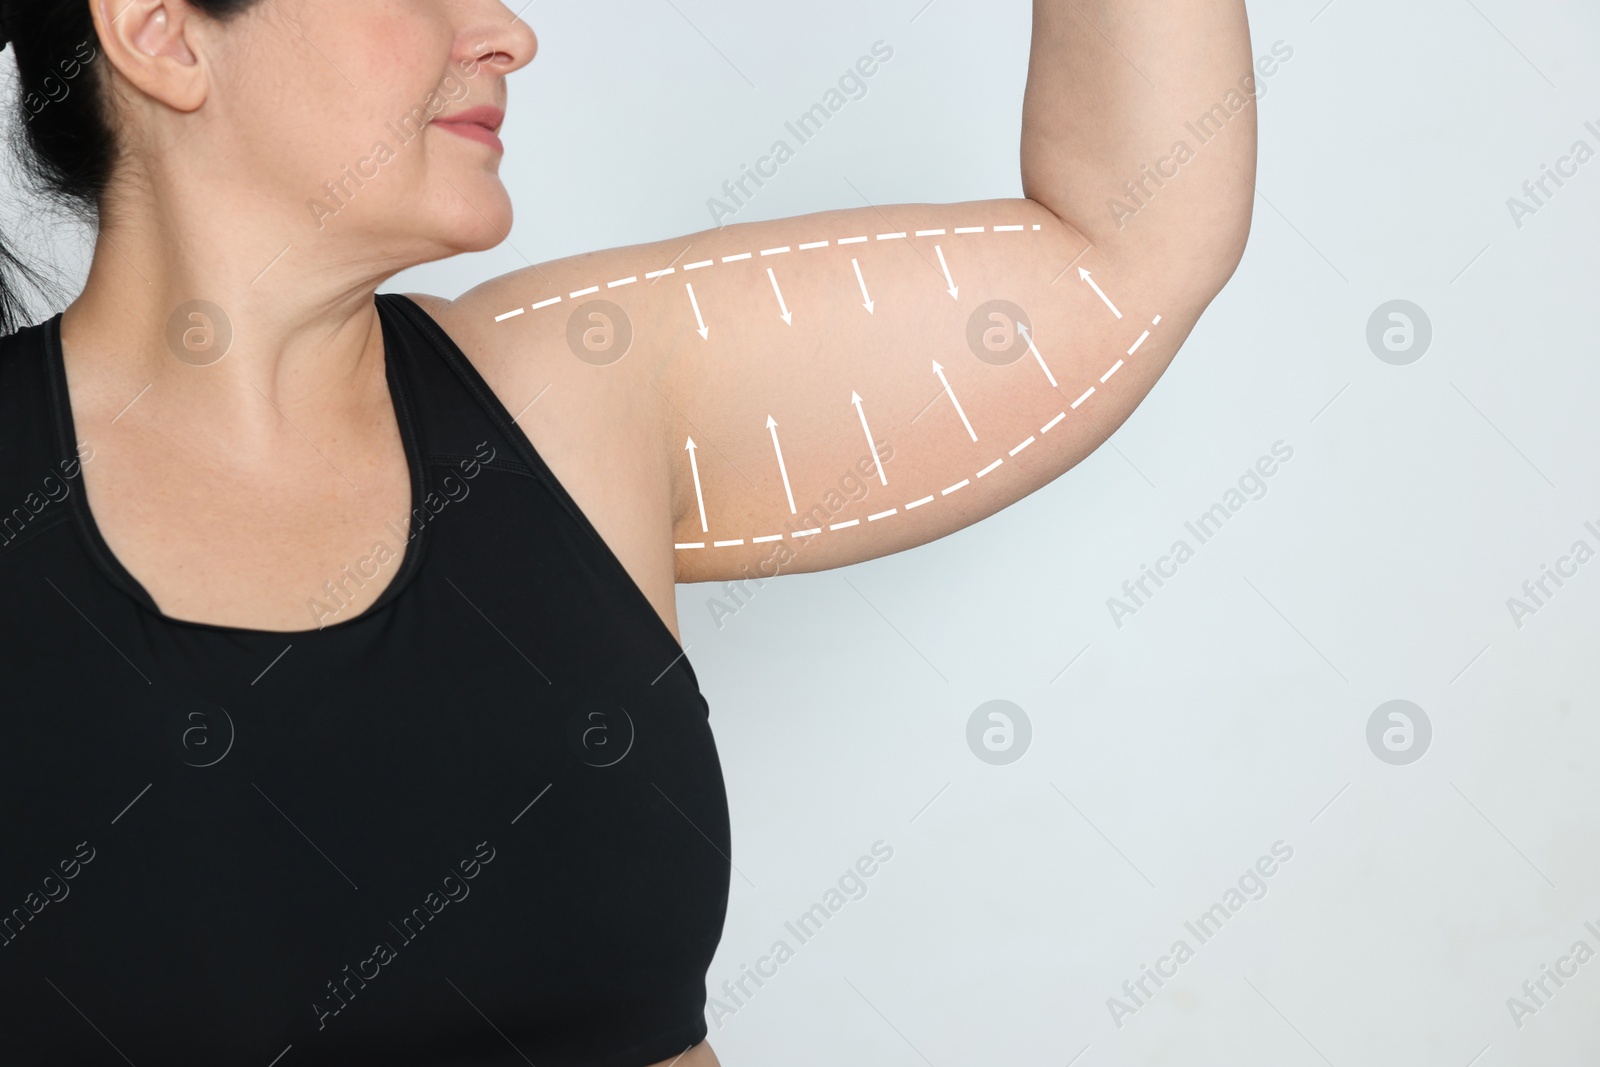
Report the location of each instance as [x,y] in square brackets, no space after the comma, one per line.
[780,475]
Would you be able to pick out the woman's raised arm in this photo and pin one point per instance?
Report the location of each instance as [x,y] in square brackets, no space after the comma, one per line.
[982,348]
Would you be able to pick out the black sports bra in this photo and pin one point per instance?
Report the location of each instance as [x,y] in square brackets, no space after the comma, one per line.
[481,822]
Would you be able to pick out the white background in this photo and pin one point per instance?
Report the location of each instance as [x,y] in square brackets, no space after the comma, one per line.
[1231,711]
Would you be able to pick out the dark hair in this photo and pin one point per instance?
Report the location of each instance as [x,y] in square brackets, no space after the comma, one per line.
[66,147]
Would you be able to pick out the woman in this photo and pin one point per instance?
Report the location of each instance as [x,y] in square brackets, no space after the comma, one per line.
[349,719]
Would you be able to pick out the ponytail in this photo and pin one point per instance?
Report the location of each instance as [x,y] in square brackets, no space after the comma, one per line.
[62,131]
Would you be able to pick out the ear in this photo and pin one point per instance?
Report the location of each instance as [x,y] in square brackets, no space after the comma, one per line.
[153,45]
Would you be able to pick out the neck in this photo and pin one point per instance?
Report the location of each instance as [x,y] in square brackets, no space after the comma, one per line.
[297,304]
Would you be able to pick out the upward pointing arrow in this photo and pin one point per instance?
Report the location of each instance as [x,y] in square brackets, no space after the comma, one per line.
[1027,336]
[951,393]
[772,424]
[694,469]
[1100,292]
[856,400]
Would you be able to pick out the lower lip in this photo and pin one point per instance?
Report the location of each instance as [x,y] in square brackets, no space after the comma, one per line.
[473,132]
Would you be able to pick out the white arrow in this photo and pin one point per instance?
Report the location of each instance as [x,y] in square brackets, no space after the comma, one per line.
[954,288]
[856,400]
[694,468]
[773,426]
[703,330]
[940,372]
[1085,276]
[785,316]
[869,301]
[1022,328]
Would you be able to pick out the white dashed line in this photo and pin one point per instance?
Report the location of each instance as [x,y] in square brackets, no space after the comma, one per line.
[1156,321]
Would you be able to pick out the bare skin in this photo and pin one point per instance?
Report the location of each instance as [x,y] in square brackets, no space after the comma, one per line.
[233,491]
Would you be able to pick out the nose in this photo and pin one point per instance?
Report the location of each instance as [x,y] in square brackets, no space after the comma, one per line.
[499,41]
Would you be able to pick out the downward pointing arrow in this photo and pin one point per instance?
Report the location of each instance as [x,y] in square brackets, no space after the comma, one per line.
[703,331]
[694,468]
[1100,292]
[856,400]
[954,288]
[869,301]
[785,316]
[772,424]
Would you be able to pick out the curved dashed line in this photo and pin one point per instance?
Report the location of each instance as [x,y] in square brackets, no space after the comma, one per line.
[683,546]
[765,252]
[807,246]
